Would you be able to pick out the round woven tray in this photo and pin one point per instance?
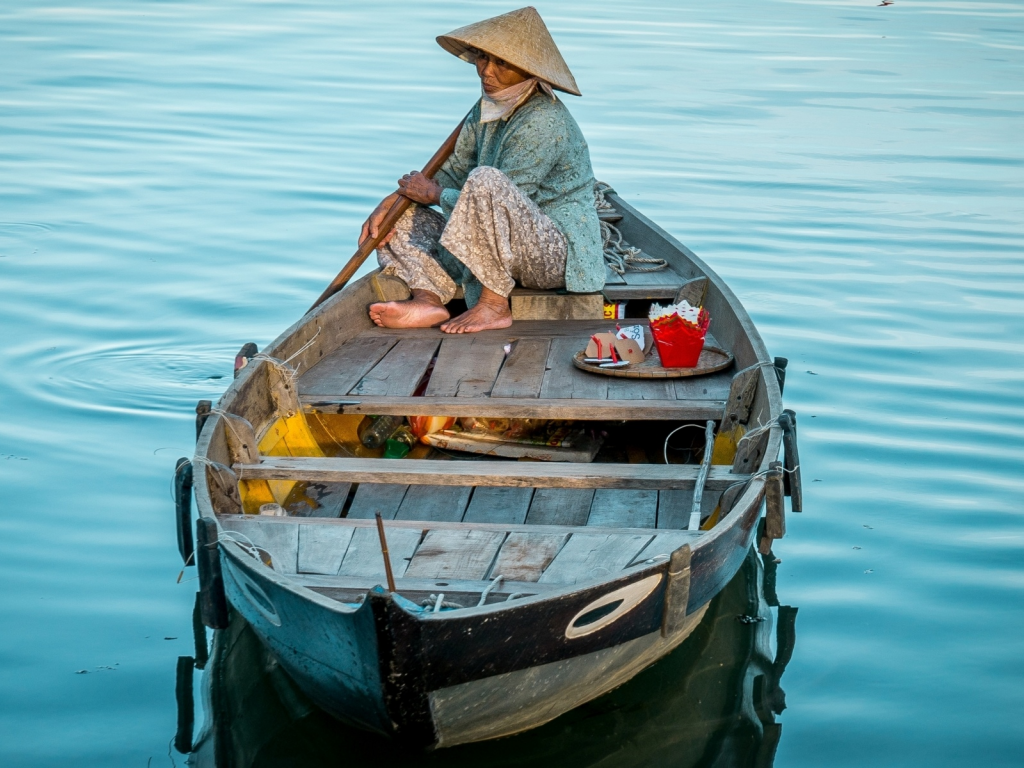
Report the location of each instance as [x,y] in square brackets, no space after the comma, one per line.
[711,359]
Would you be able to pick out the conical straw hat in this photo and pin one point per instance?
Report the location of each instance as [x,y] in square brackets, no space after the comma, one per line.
[521,39]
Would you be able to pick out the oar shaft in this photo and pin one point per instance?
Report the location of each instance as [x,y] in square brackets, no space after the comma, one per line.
[390,219]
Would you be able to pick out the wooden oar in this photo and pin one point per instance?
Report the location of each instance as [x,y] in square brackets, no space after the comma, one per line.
[390,219]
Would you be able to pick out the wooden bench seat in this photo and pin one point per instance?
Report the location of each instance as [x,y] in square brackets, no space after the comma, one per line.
[486,473]
[663,284]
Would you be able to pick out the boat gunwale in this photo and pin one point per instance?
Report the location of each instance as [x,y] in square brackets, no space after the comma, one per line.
[257,570]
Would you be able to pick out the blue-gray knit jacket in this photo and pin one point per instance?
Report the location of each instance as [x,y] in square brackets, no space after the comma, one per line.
[542,150]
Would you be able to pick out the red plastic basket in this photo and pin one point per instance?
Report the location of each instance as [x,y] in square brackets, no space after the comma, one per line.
[679,342]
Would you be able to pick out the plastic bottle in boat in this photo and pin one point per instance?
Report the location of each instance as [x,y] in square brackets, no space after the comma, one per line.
[379,430]
[399,444]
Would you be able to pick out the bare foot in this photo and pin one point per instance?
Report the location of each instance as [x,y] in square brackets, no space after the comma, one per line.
[423,310]
[490,312]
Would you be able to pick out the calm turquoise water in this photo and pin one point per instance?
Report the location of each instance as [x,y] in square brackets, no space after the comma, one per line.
[179,178]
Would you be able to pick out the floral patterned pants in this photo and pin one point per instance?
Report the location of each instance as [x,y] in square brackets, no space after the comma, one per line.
[495,237]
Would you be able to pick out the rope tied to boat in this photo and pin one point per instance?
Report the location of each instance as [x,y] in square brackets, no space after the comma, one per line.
[756,475]
[494,582]
[219,470]
[677,429]
[228,419]
[284,366]
[247,546]
[619,257]
[759,430]
[437,602]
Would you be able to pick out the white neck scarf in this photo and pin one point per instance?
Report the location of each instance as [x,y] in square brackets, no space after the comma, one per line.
[502,104]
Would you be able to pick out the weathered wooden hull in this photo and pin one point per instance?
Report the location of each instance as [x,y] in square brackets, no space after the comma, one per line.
[447,678]
[454,677]
[707,703]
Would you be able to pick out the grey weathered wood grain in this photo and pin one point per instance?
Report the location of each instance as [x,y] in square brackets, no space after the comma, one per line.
[499,505]
[280,541]
[466,367]
[775,506]
[524,556]
[521,407]
[360,584]
[241,438]
[434,502]
[663,545]
[486,473]
[714,386]
[750,450]
[455,554]
[560,506]
[322,548]
[795,488]
[623,509]
[545,305]
[624,292]
[593,556]
[363,557]
[640,389]
[373,498]
[693,291]
[330,499]
[523,371]
[283,392]
[341,370]
[674,507]
[741,398]
[400,370]
[663,277]
[564,380]
[677,591]
[434,525]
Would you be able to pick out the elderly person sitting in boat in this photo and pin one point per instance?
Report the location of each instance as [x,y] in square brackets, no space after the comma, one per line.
[516,194]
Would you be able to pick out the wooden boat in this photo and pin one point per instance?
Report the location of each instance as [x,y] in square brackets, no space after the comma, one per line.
[604,567]
[712,701]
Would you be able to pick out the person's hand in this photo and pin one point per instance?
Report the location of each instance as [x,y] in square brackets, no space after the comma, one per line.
[372,225]
[419,188]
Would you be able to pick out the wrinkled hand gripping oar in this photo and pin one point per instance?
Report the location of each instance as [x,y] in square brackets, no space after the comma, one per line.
[389,221]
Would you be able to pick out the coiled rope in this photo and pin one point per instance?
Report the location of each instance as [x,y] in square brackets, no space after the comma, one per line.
[619,257]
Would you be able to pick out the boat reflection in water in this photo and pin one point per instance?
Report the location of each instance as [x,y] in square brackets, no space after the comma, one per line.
[711,702]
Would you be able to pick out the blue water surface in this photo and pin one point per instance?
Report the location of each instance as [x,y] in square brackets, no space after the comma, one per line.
[178,178]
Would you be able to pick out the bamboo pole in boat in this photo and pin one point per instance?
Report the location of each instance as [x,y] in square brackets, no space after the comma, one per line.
[384,552]
[390,219]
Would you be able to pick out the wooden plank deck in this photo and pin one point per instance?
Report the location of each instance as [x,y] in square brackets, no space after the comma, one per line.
[560,506]
[455,554]
[372,498]
[377,371]
[592,556]
[467,552]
